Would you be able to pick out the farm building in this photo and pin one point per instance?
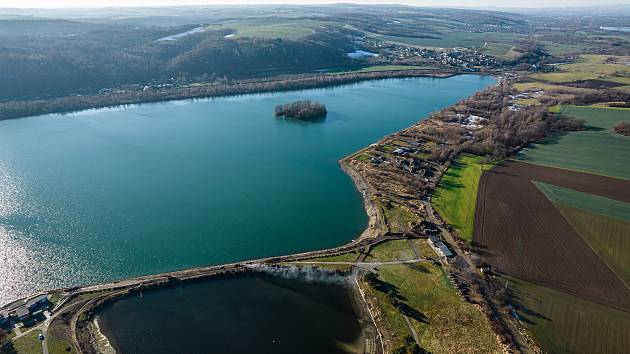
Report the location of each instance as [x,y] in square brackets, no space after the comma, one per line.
[439,247]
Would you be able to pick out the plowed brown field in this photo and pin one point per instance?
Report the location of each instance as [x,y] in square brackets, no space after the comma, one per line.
[520,232]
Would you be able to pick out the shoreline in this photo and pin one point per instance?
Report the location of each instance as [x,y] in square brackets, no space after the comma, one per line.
[82,318]
[74,103]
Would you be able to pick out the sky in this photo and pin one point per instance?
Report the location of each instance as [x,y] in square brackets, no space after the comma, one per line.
[450,3]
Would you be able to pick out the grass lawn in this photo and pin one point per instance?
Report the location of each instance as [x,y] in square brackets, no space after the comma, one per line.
[562,323]
[598,150]
[29,343]
[444,322]
[456,195]
[391,251]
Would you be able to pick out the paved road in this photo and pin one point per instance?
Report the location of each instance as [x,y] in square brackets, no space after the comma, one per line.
[45,334]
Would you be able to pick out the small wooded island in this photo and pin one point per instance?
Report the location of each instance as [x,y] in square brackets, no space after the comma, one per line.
[305,110]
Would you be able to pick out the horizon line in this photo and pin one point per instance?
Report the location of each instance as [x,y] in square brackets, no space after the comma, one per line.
[332,3]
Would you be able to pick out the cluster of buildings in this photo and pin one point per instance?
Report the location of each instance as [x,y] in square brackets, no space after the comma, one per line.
[28,312]
[458,58]
[403,157]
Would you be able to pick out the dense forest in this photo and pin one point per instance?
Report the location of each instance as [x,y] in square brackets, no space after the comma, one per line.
[115,56]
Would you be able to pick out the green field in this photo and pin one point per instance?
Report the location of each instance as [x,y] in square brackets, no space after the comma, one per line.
[29,343]
[598,150]
[562,323]
[459,39]
[603,223]
[455,197]
[609,237]
[272,28]
[587,202]
[498,49]
[445,323]
[561,48]
[587,67]
[391,251]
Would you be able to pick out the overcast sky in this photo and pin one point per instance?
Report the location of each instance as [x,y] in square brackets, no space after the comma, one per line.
[466,3]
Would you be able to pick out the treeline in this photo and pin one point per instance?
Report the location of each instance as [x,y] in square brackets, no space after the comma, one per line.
[131,95]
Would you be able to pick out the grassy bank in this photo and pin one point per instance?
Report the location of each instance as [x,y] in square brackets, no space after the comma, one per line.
[456,194]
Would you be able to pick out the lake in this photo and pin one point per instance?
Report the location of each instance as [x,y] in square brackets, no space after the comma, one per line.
[112,193]
[246,314]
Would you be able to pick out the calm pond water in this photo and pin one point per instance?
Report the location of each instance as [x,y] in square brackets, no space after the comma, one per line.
[246,314]
[111,193]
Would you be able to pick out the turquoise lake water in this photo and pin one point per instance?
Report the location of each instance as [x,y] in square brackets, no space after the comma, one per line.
[112,193]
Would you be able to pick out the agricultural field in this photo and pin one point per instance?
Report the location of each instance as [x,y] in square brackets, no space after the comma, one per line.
[562,323]
[609,237]
[588,67]
[522,234]
[494,40]
[444,322]
[271,28]
[557,49]
[602,222]
[596,150]
[456,194]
